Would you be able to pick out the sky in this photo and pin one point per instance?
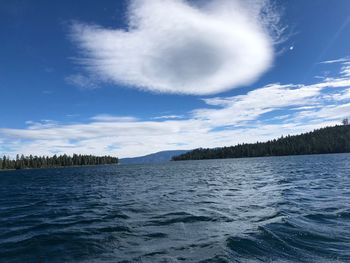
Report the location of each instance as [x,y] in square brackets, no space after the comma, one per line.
[128,78]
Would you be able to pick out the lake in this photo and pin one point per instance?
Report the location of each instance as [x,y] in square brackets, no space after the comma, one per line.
[278,209]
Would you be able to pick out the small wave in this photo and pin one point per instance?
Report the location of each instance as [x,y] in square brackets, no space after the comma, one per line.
[202,211]
[110,229]
[156,235]
[290,242]
[178,217]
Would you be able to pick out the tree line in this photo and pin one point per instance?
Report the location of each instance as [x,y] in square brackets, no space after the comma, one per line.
[326,140]
[23,162]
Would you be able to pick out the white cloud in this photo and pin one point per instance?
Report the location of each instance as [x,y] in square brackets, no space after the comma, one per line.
[297,108]
[238,109]
[174,47]
[261,114]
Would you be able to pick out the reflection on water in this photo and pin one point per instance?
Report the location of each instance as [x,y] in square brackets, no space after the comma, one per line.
[239,210]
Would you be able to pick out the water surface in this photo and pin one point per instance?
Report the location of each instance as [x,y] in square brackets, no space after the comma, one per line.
[278,209]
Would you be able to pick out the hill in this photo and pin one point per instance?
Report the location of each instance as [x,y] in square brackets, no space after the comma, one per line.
[326,140]
[158,157]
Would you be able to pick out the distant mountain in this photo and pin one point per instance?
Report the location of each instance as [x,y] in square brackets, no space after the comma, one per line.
[326,140]
[158,157]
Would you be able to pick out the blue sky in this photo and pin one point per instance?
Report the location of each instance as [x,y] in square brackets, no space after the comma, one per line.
[128,78]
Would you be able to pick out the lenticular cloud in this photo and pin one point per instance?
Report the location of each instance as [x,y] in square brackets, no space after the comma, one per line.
[172,46]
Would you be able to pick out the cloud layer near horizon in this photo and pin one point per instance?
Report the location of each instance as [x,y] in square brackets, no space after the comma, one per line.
[262,114]
[173,47]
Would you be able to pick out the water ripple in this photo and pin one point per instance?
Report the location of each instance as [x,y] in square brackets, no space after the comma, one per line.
[281,209]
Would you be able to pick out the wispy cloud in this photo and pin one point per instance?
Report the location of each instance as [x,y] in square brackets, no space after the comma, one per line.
[167,117]
[173,46]
[339,60]
[261,114]
[346,69]
[111,118]
[81,81]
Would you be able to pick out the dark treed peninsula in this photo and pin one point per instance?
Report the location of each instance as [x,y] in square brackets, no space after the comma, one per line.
[326,140]
[28,162]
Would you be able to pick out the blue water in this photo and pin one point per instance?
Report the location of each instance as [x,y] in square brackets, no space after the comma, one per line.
[278,209]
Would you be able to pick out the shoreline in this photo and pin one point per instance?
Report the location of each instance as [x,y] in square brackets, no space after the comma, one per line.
[270,156]
[57,167]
